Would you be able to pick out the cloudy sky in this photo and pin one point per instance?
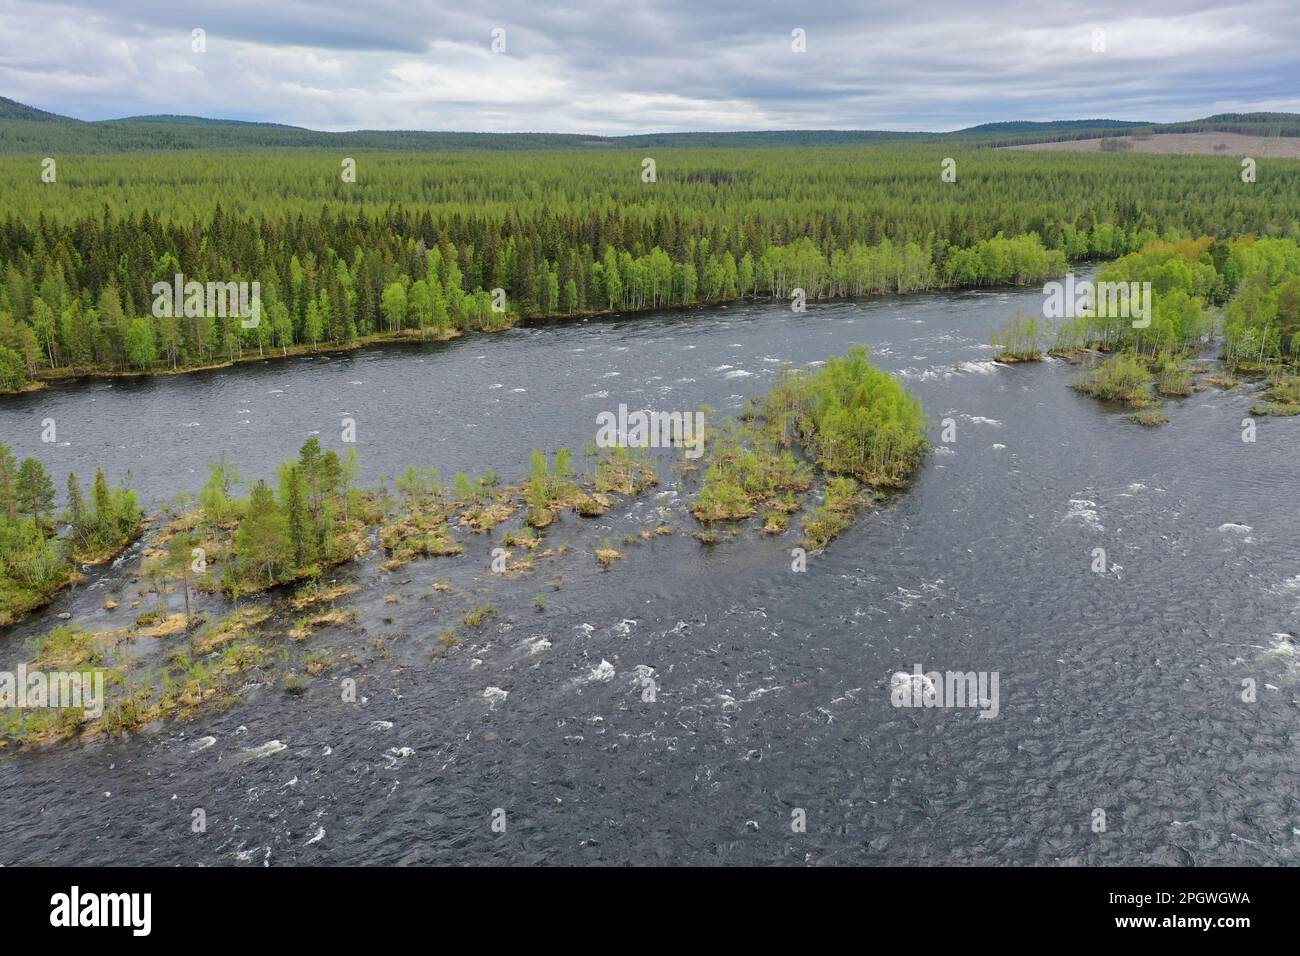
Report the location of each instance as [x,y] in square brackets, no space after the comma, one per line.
[607,67]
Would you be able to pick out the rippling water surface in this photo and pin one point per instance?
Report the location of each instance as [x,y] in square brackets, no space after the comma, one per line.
[1118,691]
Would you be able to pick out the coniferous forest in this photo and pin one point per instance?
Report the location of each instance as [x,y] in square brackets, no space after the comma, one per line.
[418,242]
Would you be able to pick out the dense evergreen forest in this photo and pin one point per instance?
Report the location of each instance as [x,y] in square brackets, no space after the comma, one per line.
[416,244]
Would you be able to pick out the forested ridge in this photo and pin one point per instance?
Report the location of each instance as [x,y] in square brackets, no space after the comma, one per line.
[27,130]
[417,242]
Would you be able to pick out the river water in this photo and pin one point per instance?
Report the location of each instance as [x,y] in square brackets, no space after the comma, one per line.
[1119,692]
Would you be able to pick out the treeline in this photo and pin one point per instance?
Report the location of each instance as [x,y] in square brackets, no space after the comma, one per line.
[39,546]
[413,288]
[418,242]
[1184,283]
[1262,321]
[1247,289]
[1255,283]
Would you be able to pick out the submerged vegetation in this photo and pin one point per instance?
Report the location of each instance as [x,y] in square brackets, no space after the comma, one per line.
[848,422]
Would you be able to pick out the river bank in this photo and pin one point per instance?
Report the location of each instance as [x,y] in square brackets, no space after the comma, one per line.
[46,377]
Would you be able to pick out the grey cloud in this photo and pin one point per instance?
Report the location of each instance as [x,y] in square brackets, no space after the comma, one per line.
[638,65]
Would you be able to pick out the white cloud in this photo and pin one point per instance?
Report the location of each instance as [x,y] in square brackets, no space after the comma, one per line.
[638,65]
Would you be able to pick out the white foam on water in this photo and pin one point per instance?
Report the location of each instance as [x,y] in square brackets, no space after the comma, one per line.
[738,373]
[916,683]
[494,696]
[603,673]
[925,374]
[203,743]
[1229,527]
[393,754]
[268,748]
[244,856]
[1085,512]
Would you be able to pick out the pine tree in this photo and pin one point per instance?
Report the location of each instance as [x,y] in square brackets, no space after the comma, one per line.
[180,556]
[294,508]
[105,521]
[262,540]
[8,481]
[34,490]
[78,520]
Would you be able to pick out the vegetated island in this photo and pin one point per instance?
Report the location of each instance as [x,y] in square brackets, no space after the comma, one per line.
[1245,291]
[261,560]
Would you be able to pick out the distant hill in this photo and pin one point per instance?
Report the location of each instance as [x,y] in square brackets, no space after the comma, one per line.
[12,110]
[1028,126]
[27,130]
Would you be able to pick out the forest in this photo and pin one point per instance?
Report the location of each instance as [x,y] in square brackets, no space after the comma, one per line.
[1243,293]
[36,559]
[416,244]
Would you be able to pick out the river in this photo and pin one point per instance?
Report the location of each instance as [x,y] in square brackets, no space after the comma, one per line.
[1119,692]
